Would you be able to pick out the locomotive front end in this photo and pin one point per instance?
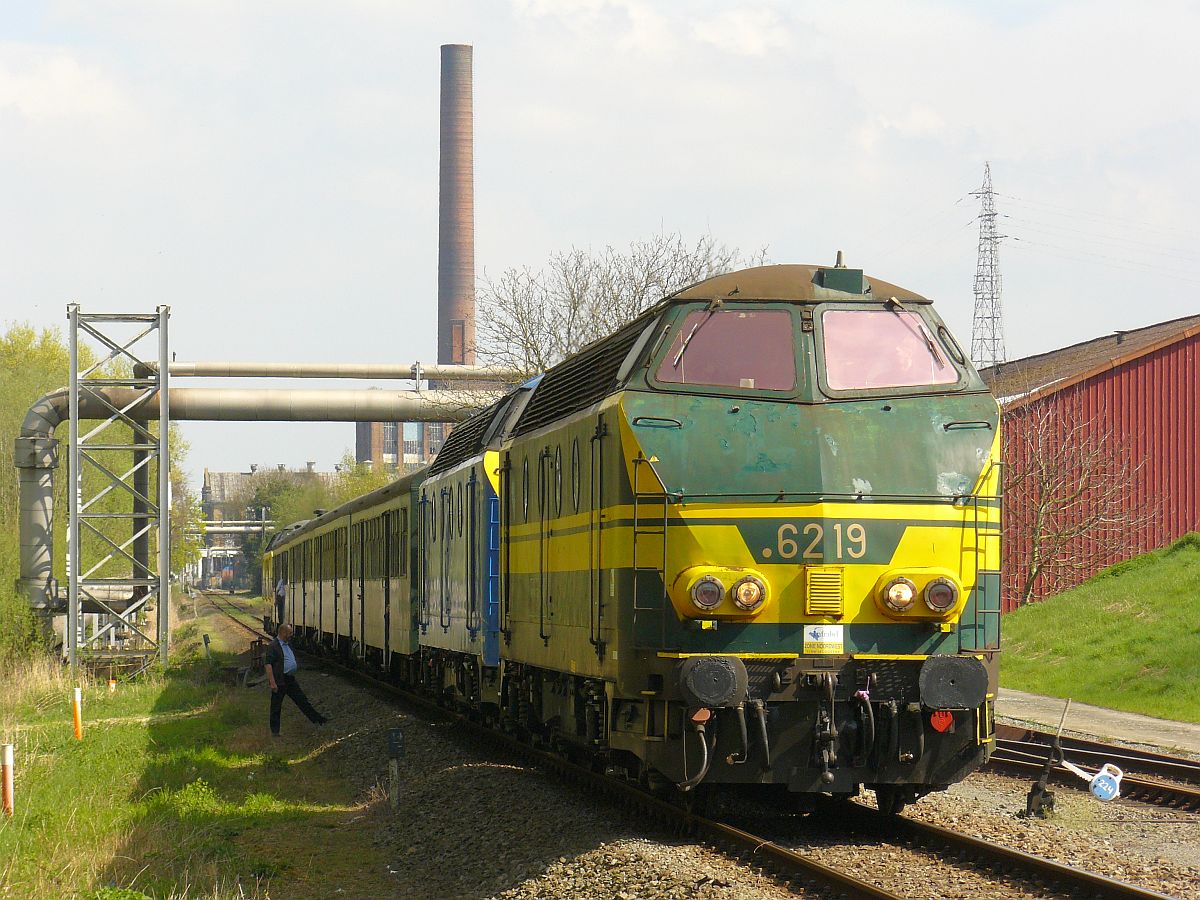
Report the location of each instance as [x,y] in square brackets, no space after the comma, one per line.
[813,541]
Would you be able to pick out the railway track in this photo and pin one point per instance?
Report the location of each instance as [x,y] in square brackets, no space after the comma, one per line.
[1155,778]
[789,864]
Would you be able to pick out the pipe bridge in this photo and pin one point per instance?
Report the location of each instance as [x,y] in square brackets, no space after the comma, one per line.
[36,451]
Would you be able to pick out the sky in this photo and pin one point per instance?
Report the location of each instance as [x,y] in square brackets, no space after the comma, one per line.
[269,169]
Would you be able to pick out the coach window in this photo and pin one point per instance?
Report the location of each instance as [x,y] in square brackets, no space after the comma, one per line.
[740,348]
[525,489]
[543,487]
[558,481]
[575,473]
[460,490]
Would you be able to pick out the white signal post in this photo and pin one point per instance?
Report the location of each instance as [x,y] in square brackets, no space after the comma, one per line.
[77,709]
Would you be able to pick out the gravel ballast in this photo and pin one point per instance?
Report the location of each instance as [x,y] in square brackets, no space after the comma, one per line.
[470,826]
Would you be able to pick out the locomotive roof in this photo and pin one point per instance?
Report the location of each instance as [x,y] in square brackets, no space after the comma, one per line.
[803,283]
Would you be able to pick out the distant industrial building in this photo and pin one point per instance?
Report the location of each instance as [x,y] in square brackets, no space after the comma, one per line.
[1102,451]
[379,444]
[223,499]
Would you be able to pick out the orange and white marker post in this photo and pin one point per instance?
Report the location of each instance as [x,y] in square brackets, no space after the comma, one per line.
[78,709]
[9,799]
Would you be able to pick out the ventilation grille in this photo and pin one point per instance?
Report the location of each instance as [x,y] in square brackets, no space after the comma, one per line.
[823,595]
[465,440]
[580,380]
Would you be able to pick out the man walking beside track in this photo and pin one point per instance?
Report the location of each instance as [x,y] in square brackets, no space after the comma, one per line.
[281,675]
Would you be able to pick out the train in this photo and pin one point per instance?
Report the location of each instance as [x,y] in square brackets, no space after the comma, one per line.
[747,543]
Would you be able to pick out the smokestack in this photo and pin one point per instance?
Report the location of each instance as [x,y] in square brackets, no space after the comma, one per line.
[456,211]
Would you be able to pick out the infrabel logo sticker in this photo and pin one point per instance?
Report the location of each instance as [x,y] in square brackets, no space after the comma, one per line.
[823,639]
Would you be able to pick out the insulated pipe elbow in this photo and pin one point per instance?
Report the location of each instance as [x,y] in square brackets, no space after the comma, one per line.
[46,413]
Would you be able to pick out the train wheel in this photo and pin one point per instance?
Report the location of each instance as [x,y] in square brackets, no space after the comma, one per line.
[704,800]
[829,805]
[890,799]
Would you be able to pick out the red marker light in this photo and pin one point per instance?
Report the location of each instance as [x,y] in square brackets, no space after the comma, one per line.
[702,715]
[941,720]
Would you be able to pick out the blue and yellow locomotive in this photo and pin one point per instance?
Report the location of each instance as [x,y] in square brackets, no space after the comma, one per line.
[751,538]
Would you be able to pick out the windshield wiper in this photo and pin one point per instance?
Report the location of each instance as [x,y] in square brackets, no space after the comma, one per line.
[894,304]
[933,350]
[709,310]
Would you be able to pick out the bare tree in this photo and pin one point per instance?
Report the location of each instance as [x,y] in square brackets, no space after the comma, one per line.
[1071,502]
[530,320]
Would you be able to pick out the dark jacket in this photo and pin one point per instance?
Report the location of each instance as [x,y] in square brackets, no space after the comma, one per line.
[274,659]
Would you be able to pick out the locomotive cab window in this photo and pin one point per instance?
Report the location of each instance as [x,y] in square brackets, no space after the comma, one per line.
[883,349]
[741,348]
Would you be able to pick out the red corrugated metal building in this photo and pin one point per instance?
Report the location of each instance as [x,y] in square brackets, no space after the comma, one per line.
[1102,454]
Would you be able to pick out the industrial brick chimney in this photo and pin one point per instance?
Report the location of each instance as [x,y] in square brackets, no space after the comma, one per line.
[456,211]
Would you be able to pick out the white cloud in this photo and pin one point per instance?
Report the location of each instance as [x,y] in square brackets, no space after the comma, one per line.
[48,84]
[268,167]
[744,32]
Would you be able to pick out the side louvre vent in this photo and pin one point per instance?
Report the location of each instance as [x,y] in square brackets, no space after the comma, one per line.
[465,440]
[823,592]
[580,380]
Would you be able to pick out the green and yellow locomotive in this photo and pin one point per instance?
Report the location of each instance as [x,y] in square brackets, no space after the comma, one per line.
[752,538]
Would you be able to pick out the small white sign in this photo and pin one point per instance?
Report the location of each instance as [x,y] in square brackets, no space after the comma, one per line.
[823,639]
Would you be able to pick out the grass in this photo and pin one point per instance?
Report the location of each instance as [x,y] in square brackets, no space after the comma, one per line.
[176,791]
[1128,639]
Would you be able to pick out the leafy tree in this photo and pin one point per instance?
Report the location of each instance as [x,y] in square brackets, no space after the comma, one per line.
[294,496]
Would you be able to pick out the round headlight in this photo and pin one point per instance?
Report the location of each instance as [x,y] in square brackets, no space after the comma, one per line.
[749,593]
[899,594]
[708,592]
[941,594]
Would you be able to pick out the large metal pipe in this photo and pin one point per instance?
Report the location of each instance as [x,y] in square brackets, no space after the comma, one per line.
[36,451]
[230,529]
[381,371]
[456,211]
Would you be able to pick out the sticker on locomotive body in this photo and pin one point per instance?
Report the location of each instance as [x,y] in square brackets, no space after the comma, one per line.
[823,639]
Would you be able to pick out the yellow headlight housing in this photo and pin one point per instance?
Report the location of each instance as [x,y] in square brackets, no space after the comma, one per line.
[720,592]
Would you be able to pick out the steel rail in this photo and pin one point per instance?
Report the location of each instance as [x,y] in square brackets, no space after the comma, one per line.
[1133,787]
[1007,860]
[786,862]
[1143,761]
[1023,750]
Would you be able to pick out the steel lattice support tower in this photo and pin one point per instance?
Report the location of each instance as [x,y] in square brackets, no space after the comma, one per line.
[118,577]
[987,326]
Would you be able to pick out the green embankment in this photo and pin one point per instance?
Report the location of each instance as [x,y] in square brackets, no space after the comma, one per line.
[176,791]
[1128,639]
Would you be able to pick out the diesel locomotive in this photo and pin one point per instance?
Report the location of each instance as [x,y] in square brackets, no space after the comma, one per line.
[748,541]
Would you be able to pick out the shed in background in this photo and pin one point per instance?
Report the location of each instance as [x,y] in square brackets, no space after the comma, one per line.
[1102,448]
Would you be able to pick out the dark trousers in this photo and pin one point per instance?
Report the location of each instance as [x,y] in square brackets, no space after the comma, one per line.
[291,687]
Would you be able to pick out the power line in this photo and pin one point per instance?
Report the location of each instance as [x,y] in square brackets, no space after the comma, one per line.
[1085,215]
[1102,259]
[1103,241]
